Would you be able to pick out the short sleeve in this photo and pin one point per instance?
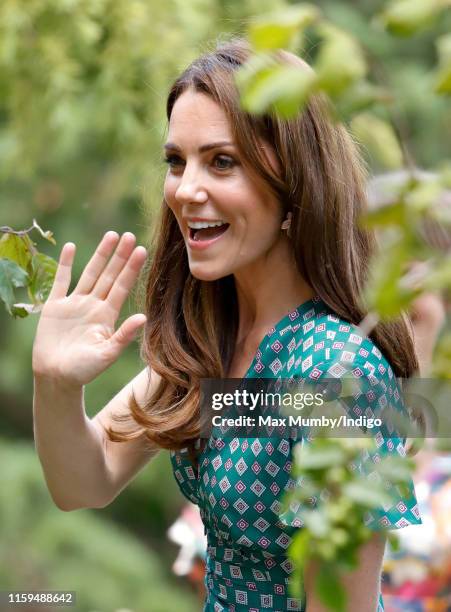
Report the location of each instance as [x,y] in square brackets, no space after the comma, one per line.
[379,394]
[377,389]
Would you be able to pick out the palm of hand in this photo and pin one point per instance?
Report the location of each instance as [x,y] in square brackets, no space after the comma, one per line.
[75,338]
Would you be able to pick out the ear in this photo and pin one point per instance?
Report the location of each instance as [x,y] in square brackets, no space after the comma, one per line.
[286,224]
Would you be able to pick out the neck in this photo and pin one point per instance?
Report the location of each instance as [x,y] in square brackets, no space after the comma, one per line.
[269,289]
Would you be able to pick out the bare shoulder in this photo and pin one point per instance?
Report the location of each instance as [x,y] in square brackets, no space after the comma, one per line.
[125,459]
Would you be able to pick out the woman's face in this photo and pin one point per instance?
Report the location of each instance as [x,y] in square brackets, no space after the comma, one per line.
[207,184]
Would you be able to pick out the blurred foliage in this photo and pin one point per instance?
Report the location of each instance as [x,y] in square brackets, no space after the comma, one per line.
[335,528]
[44,548]
[82,119]
[407,17]
[342,71]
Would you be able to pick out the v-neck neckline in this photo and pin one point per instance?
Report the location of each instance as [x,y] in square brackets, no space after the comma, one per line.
[285,320]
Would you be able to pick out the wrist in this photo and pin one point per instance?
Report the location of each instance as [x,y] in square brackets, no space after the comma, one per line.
[50,383]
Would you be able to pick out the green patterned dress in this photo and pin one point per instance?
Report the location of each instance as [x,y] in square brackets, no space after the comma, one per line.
[240,481]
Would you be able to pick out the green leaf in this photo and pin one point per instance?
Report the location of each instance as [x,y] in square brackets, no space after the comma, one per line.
[360,96]
[442,359]
[379,138]
[317,522]
[299,548]
[318,457]
[336,512]
[383,216]
[443,75]
[295,87]
[11,276]
[299,552]
[440,277]
[283,89]
[339,536]
[15,248]
[393,541]
[366,494]
[385,294]
[340,60]
[406,17]
[256,66]
[23,310]
[330,590]
[424,194]
[43,274]
[19,312]
[349,559]
[280,30]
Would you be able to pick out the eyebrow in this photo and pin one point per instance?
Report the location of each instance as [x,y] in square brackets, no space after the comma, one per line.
[206,147]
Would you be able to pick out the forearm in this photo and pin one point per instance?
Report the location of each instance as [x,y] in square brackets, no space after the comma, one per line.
[70,448]
[355,603]
[428,315]
[362,585]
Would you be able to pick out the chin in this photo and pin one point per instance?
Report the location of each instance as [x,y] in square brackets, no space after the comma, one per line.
[206,273]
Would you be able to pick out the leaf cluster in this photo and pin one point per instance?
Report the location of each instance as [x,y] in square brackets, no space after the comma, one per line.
[332,500]
[22,265]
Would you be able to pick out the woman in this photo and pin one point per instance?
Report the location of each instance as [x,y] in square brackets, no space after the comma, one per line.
[258,269]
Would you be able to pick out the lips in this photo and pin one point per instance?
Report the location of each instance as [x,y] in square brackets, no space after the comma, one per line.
[201,239]
[207,233]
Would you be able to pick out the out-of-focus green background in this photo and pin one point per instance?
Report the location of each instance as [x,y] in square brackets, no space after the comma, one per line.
[83,85]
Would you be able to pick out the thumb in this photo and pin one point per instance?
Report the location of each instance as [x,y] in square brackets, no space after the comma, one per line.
[127,331]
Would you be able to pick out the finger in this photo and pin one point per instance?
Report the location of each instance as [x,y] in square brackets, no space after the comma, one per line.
[126,279]
[115,265]
[97,263]
[127,332]
[62,278]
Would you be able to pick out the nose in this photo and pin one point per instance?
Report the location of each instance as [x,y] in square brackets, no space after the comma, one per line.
[191,188]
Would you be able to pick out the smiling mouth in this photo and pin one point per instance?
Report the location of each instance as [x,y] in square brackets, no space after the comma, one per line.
[207,233]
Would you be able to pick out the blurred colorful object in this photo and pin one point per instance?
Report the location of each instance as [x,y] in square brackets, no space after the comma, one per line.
[417,578]
[188,533]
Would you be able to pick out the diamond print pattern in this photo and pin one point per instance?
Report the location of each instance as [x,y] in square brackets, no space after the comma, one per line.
[241,481]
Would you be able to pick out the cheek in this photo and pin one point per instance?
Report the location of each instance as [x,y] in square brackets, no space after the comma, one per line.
[169,191]
[264,220]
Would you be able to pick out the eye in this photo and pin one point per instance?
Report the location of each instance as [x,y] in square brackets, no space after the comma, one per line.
[221,162]
[173,161]
[224,159]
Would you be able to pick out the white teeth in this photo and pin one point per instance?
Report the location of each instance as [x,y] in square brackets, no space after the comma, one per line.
[203,224]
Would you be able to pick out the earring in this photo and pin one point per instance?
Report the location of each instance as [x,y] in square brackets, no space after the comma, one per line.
[286,224]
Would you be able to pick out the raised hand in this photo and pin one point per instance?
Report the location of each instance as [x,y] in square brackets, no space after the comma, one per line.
[75,338]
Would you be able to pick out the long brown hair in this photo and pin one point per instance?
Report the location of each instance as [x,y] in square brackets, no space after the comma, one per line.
[192,324]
